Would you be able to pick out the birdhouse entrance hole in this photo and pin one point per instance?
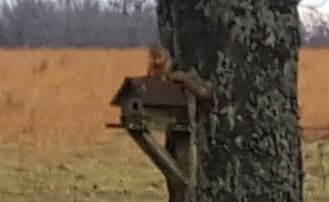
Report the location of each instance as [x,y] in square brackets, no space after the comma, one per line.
[135,106]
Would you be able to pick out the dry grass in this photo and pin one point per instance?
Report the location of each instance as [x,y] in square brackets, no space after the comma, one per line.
[103,169]
[313,88]
[54,104]
[53,108]
[63,92]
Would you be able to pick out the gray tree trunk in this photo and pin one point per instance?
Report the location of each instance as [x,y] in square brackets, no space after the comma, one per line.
[249,148]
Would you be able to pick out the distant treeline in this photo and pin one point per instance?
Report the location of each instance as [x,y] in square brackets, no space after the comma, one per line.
[78,23]
[317,37]
[97,23]
[314,27]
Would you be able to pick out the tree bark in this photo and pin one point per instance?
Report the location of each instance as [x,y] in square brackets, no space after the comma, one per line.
[249,148]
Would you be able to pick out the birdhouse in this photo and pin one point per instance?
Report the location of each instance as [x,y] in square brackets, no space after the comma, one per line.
[151,102]
[148,104]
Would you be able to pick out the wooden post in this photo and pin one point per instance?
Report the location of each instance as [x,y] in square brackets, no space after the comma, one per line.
[161,158]
[183,148]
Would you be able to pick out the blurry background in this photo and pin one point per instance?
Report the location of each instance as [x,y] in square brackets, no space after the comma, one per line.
[61,63]
[113,23]
[78,23]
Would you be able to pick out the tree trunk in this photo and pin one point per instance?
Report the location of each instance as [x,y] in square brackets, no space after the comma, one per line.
[249,148]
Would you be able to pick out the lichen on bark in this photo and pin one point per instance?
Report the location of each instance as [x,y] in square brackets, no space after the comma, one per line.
[248,137]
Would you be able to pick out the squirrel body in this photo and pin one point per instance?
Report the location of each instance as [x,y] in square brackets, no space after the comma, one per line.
[160,63]
[160,66]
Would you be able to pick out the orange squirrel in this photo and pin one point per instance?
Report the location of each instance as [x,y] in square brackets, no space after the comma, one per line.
[160,66]
[160,63]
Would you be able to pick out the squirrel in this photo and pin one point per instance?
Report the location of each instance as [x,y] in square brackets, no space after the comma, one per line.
[160,66]
[192,81]
[160,63]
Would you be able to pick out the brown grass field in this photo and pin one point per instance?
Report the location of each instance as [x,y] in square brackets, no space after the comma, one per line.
[54,105]
[313,88]
[53,108]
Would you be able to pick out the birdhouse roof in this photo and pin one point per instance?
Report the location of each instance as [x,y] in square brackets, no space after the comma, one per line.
[152,92]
